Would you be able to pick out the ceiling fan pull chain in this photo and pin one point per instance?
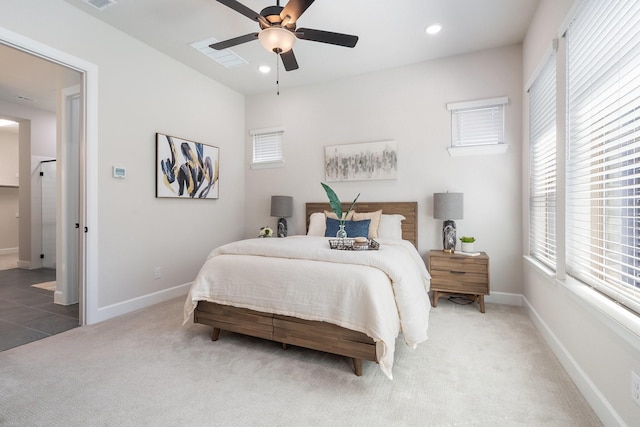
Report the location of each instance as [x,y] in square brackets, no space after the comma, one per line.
[278,73]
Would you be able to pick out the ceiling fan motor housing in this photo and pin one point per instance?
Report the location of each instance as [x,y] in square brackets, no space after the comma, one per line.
[272,14]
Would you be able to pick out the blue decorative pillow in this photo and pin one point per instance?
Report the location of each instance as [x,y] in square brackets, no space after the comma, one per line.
[353,228]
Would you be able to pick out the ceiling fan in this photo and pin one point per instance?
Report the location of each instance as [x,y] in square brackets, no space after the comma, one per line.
[278,31]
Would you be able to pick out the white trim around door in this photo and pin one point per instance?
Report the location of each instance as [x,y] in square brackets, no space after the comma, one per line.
[88,252]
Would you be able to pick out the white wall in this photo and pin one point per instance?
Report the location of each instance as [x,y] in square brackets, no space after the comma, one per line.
[37,142]
[141,92]
[8,191]
[8,157]
[598,352]
[406,105]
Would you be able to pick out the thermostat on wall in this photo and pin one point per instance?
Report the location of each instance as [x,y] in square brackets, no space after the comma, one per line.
[119,172]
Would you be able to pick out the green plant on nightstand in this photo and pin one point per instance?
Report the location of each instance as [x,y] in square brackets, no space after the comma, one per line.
[467,243]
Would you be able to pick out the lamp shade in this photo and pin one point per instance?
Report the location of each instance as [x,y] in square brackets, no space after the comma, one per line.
[281,206]
[447,205]
[277,39]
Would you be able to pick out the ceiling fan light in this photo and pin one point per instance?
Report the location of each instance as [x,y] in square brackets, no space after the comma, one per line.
[277,39]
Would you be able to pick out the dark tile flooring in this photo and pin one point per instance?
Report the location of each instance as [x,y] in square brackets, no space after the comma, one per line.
[28,314]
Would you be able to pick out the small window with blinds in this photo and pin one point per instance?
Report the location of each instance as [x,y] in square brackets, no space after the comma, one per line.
[475,123]
[603,157]
[267,148]
[542,165]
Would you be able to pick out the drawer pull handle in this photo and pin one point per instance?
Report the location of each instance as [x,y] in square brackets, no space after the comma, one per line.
[457,272]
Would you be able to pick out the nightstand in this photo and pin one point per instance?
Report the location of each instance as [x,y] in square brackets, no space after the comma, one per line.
[459,274]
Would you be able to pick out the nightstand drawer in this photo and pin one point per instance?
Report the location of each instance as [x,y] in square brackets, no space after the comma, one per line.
[458,276]
[460,282]
[462,263]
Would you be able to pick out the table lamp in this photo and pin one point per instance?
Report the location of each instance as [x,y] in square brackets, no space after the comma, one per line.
[447,207]
[282,207]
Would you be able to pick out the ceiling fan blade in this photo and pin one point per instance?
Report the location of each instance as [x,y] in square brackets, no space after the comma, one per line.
[240,8]
[339,39]
[234,41]
[289,60]
[294,9]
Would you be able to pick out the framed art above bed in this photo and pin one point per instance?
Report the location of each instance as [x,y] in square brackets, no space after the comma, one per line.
[361,162]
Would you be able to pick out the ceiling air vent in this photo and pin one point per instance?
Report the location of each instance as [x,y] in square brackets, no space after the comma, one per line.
[25,98]
[224,57]
[100,4]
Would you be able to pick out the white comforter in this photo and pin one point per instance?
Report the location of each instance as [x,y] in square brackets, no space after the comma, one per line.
[300,276]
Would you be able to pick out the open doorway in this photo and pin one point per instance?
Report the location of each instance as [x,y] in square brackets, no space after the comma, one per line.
[46,98]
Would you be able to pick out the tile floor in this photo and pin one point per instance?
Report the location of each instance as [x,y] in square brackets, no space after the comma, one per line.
[28,314]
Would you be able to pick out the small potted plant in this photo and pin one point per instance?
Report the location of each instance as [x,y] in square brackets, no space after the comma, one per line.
[467,243]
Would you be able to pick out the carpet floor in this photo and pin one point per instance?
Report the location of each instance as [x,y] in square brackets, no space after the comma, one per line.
[146,369]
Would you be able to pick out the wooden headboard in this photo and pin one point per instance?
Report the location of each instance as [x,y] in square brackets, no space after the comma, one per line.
[408,209]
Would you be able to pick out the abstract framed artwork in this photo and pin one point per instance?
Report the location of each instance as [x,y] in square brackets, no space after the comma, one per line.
[186,169]
[361,162]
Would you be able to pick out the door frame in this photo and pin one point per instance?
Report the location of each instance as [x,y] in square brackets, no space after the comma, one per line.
[88,167]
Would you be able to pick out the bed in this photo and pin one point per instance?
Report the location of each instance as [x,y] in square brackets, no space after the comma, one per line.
[297,291]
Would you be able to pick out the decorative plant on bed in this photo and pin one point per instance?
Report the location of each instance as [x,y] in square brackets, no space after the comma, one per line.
[336,206]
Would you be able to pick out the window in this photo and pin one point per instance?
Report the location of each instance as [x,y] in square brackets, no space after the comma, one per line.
[267,148]
[603,155]
[542,165]
[477,122]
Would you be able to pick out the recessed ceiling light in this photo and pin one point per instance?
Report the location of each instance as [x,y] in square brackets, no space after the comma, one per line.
[433,29]
[264,69]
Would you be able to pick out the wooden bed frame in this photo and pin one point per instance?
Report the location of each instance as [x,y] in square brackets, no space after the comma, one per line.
[315,335]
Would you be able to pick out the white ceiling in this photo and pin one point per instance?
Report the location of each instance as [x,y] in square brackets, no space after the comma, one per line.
[392,34]
[32,81]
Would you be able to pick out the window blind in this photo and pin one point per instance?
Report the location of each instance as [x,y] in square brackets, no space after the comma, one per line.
[477,122]
[267,146]
[603,157]
[542,165]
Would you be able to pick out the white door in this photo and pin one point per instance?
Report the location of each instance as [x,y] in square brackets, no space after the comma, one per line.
[68,231]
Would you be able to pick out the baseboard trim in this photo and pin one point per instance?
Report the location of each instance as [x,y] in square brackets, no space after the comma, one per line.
[8,251]
[504,298]
[25,265]
[596,399]
[115,310]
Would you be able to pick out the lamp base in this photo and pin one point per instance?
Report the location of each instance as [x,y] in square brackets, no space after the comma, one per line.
[282,227]
[449,236]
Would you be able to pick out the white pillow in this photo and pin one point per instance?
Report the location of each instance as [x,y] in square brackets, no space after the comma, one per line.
[391,226]
[317,224]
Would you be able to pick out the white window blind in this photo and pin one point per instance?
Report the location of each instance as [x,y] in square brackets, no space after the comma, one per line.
[477,122]
[267,147]
[603,164]
[542,165]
